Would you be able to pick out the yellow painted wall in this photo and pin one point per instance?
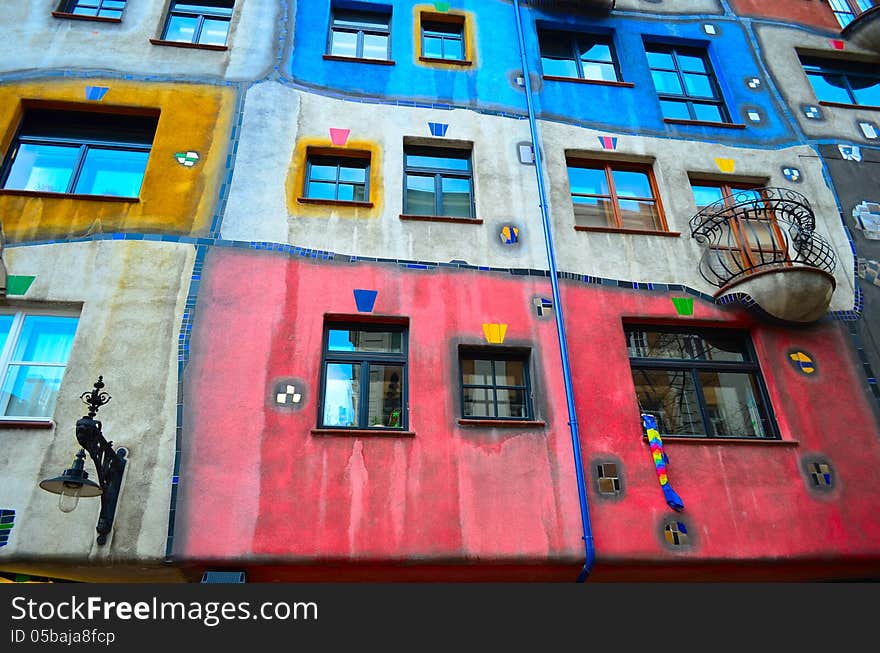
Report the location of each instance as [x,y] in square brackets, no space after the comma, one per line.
[296,181]
[173,198]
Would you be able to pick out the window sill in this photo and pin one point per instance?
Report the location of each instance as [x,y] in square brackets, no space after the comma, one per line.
[841,105]
[440,218]
[503,423]
[68,196]
[186,44]
[636,232]
[704,123]
[311,200]
[7,423]
[580,80]
[364,433]
[451,62]
[684,439]
[99,19]
[336,57]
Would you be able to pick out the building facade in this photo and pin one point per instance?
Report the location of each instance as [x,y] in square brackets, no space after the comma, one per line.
[540,290]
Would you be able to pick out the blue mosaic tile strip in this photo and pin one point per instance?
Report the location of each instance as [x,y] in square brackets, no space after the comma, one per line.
[7,519]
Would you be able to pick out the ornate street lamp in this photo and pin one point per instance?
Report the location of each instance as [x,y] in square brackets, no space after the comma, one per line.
[74,482]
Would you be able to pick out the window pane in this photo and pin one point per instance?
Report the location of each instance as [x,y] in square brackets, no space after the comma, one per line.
[667,82]
[365,341]
[638,215]
[352,174]
[698,86]
[675,110]
[436,162]
[322,172]
[509,373]
[432,47]
[5,325]
[420,195]
[30,391]
[603,71]
[456,199]
[559,67]
[691,64]
[341,395]
[830,88]
[453,49]
[867,91]
[479,402]
[375,46]
[385,396]
[593,211]
[733,404]
[42,168]
[45,339]
[661,60]
[511,403]
[343,44]
[629,183]
[593,51]
[214,32]
[706,195]
[670,396]
[361,19]
[476,372]
[588,181]
[181,28]
[112,172]
[708,112]
[715,345]
[321,190]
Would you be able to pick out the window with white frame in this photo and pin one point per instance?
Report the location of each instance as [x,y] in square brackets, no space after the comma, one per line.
[35,348]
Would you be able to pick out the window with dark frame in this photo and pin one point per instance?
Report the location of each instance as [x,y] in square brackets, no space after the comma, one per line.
[443,37]
[337,178]
[93,8]
[358,34]
[202,22]
[685,83]
[79,152]
[843,82]
[614,195]
[846,10]
[494,384]
[438,182]
[364,376]
[699,383]
[578,56]
[750,238]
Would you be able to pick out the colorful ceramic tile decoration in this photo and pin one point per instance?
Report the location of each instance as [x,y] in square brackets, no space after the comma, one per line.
[286,394]
[869,130]
[187,159]
[365,300]
[812,112]
[7,518]
[820,474]
[339,136]
[850,152]
[837,44]
[438,128]
[17,284]
[869,271]
[683,305]
[792,174]
[608,142]
[710,29]
[725,165]
[660,461]
[803,362]
[495,333]
[442,7]
[753,83]
[96,93]
[543,306]
[509,235]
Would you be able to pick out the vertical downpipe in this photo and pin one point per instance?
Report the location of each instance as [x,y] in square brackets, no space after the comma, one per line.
[560,323]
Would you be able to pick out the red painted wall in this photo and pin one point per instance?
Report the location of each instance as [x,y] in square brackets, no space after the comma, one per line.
[816,13]
[257,488]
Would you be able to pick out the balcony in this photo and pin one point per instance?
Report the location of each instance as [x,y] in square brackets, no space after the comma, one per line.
[762,243]
[863,28]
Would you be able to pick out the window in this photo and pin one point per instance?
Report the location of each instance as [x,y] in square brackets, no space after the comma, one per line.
[579,56]
[751,236]
[614,195]
[495,384]
[847,10]
[93,8]
[360,34]
[35,348]
[844,82]
[438,182]
[364,376]
[205,22]
[685,83]
[80,152]
[443,37]
[699,383]
[338,178]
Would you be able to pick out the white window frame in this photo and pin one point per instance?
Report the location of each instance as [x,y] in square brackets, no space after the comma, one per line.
[6,359]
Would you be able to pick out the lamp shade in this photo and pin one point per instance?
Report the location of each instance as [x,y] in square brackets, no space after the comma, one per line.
[73,478]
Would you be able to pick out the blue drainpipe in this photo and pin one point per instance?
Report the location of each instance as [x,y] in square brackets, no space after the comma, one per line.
[560,325]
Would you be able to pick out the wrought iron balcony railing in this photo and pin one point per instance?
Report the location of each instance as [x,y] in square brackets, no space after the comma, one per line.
[756,230]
